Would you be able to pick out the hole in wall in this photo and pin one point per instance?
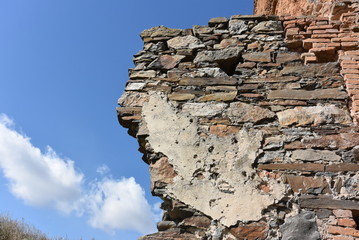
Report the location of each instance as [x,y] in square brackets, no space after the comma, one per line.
[356,218]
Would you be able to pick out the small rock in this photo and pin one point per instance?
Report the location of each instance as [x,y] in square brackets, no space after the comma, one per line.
[237,26]
[160,31]
[302,226]
[242,112]
[189,41]
[268,26]
[204,109]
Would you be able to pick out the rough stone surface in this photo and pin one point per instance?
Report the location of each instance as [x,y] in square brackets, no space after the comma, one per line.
[189,42]
[243,112]
[250,121]
[317,115]
[302,226]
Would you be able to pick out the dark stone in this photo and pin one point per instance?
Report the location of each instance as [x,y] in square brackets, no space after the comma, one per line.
[328,203]
[165,225]
[302,226]
[323,213]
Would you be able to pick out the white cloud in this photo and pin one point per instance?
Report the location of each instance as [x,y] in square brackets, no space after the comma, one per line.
[103,169]
[119,204]
[45,179]
[42,179]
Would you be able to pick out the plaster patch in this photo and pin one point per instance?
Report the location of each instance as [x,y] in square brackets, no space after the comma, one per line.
[227,190]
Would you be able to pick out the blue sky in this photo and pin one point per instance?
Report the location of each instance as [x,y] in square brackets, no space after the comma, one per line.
[66,165]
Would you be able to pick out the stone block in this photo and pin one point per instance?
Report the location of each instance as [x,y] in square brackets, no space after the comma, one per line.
[242,112]
[311,155]
[250,231]
[190,42]
[257,57]
[219,97]
[333,93]
[207,81]
[302,184]
[306,167]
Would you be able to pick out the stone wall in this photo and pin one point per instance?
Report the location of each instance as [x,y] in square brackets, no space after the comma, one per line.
[249,127]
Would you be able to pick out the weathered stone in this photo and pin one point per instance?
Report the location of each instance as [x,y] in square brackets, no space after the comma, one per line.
[302,226]
[323,213]
[133,99]
[325,202]
[340,141]
[208,81]
[342,167]
[197,221]
[257,57]
[221,88]
[143,74]
[267,26]
[252,231]
[237,26]
[161,172]
[160,31]
[209,72]
[218,20]
[173,235]
[166,62]
[165,225]
[315,155]
[219,96]
[286,57]
[228,42]
[189,41]
[303,184]
[311,70]
[181,96]
[242,112]
[307,167]
[277,79]
[223,130]
[227,54]
[198,30]
[203,109]
[333,93]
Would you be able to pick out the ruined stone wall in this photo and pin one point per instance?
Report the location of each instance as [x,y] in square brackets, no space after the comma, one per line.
[249,127]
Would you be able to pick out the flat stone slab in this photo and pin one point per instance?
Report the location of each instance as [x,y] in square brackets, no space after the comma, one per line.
[332,93]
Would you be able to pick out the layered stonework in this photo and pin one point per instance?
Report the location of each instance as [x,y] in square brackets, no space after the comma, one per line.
[249,127]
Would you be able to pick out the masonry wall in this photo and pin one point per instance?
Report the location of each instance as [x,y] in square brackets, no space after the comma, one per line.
[249,126]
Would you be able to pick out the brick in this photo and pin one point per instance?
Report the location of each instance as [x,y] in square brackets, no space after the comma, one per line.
[347,222]
[325,35]
[308,167]
[320,27]
[340,213]
[343,231]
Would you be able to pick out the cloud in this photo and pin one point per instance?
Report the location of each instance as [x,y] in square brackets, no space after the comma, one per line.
[41,179]
[103,169]
[119,204]
[45,179]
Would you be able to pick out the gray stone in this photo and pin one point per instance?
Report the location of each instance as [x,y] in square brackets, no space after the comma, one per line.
[317,115]
[203,109]
[189,41]
[330,93]
[300,227]
[160,31]
[268,26]
[315,155]
[311,70]
[227,54]
[237,26]
[242,112]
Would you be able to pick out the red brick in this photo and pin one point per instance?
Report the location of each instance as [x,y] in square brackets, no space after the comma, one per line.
[326,35]
[349,71]
[343,231]
[349,39]
[347,222]
[321,27]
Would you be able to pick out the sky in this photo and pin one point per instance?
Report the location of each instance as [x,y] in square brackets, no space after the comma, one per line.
[66,165]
